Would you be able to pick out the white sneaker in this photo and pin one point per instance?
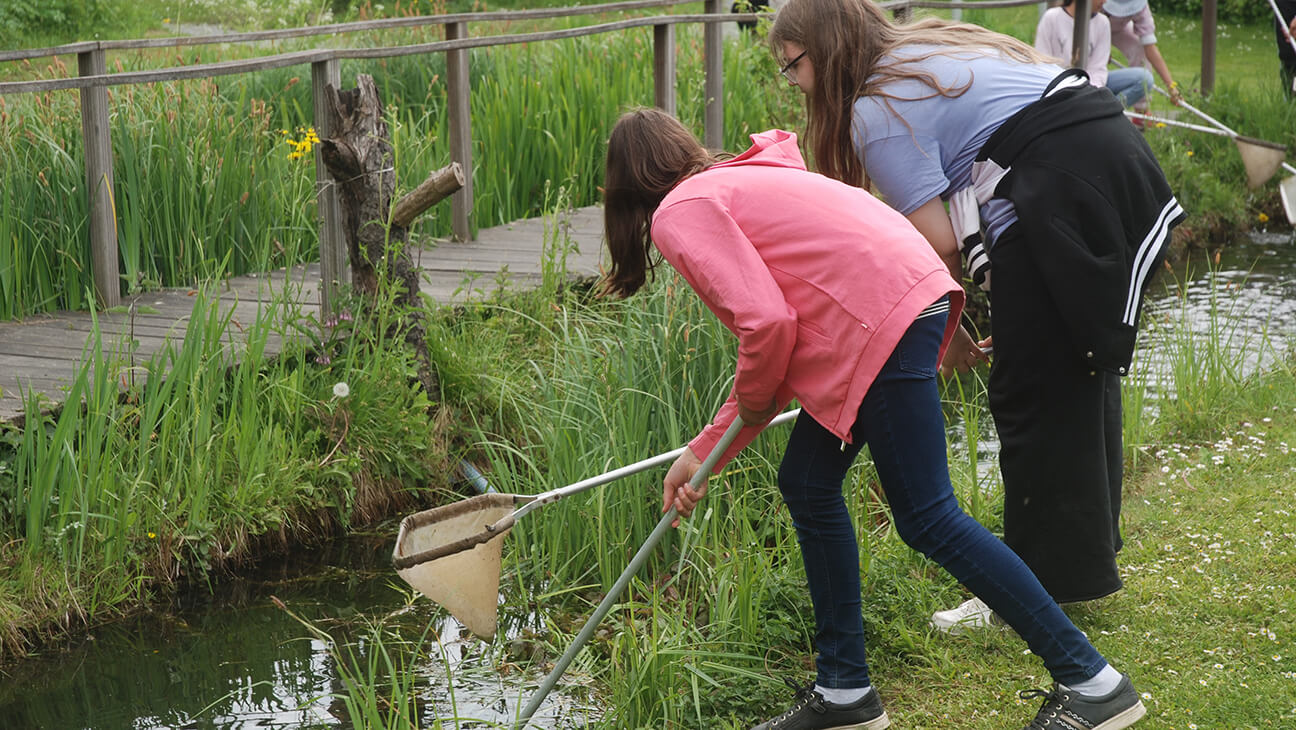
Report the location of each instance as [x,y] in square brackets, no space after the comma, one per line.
[971,614]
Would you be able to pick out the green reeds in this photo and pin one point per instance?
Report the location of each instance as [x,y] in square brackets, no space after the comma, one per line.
[207,182]
[1205,349]
[627,380]
[157,469]
[720,613]
[378,671]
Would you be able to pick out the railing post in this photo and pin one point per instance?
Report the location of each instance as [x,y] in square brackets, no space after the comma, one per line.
[460,123]
[333,254]
[1210,18]
[1080,36]
[664,68]
[713,59]
[902,13]
[99,180]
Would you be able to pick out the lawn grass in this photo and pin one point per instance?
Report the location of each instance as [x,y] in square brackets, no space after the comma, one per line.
[709,630]
[1206,620]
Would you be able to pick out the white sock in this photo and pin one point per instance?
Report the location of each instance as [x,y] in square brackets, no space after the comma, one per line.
[1102,683]
[843,696]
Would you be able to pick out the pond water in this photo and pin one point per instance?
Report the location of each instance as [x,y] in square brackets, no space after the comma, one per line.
[234,661]
[1244,303]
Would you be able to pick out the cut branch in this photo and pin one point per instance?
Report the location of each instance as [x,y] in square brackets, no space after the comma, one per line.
[360,158]
[440,185]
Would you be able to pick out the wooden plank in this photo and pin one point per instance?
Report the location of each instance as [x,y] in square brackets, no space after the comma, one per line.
[95,134]
[265,63]
[337,28]
[44,352]
[458,106]
[24,365]
[1080,36]
[332,243]
[51,344]
[664,70]
[576,263]
[303,281]
[67,49]
[1209,31]
[713,83]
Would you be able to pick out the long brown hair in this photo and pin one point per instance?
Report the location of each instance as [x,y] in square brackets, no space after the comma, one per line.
[649,153]
[847,42]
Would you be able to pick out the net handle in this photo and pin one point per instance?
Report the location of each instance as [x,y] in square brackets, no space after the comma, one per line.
[533,502]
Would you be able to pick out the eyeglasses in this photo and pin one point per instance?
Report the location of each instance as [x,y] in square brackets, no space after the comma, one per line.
[789,69]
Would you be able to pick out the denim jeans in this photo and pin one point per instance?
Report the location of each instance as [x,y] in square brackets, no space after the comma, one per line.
[901,421]
[1129,85]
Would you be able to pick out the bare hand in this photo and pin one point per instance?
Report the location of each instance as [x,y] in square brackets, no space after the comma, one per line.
[1176,96]
[676,491]
[963,353]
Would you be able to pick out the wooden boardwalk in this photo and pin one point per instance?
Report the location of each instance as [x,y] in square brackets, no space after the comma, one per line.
[44,353]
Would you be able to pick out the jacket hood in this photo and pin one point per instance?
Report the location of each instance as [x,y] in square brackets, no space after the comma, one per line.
[776,147]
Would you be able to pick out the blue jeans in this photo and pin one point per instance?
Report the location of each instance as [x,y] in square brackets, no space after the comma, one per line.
[1129,85]
[901,421]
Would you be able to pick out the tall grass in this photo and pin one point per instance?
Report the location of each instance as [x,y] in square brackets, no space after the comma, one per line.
[162,470]
[1204,345]
[169,472]
[203,186]
[720,615]
[205,182]
[720,605]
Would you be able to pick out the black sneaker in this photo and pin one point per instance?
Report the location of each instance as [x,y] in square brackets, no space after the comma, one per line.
[811,711]
[1066,710]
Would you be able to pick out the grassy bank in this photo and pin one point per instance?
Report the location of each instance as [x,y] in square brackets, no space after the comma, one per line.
[1206,619]
[710,629]
[167,471]
[549,388]
[720,619]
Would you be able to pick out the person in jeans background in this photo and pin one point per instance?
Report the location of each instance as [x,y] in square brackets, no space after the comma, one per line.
[1133,33]
[1055,35]
[838,302]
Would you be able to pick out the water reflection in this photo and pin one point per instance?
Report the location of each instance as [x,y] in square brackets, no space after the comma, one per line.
[1245,304]
[234,661]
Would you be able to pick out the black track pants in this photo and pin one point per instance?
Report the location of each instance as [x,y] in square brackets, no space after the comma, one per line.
[1059,425]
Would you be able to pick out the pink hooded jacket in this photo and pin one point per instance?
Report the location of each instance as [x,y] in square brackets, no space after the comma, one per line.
[819,280]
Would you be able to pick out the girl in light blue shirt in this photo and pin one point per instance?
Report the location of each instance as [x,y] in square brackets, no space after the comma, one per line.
[914,111]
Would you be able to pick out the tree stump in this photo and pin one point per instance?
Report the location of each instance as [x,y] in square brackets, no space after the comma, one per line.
[360,158]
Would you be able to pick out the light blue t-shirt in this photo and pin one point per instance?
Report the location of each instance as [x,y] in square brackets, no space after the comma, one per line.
[922,148]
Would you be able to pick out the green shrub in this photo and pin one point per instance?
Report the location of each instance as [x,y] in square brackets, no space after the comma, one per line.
[21,17]
[1230,11]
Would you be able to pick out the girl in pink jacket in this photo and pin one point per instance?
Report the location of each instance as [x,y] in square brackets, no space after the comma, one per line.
[836,301]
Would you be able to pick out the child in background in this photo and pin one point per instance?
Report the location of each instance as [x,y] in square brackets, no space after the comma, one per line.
[836,301]
[1286,15]
[1133,32]
[1056,33]
[1042,172]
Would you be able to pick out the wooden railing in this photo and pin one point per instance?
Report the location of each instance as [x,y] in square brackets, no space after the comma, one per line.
[93,82]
